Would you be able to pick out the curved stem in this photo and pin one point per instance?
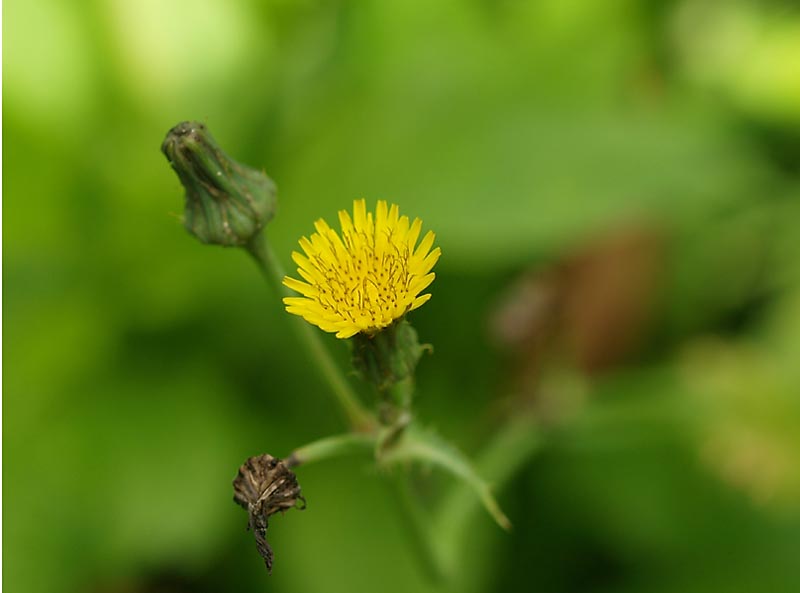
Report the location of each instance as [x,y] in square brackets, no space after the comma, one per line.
[427,448]
[418,528]
[271,268]
[328,447]
[499,462]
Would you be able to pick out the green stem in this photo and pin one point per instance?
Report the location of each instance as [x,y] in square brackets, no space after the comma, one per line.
[415,522]
[270,266]
[515,443]
[328,447]
[418,527]
[512,447]
[418,446]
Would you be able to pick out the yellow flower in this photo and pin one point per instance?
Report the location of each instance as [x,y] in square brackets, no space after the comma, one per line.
[368,277]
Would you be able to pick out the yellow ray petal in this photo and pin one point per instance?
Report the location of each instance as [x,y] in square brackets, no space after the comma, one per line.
[424,246]
[420,284]
[360,215]
[413,234]
[301,287]
[419,301]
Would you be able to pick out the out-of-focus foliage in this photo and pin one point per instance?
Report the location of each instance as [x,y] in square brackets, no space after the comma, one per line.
[141,368]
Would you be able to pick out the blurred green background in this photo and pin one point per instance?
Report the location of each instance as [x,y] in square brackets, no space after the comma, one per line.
[616,190]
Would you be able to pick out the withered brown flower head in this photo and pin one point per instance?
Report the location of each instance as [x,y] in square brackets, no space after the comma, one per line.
[264,486]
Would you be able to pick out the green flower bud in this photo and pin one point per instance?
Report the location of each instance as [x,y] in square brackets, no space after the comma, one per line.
[227,203]
[388,359]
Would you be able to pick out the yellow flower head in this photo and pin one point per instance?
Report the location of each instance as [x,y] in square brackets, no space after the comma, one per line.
[366,278]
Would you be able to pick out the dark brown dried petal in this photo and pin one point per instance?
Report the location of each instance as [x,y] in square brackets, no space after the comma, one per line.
[264,486]
[258,524]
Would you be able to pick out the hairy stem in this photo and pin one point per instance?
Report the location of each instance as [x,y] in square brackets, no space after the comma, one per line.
[329,447]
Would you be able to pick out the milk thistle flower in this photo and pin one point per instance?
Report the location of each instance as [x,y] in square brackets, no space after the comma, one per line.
[365,279]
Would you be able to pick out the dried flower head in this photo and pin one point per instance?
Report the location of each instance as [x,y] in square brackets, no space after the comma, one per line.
[264,486]
[365,279]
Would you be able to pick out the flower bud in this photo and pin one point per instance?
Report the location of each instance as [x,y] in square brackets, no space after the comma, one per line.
[388,360]
[227,203]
